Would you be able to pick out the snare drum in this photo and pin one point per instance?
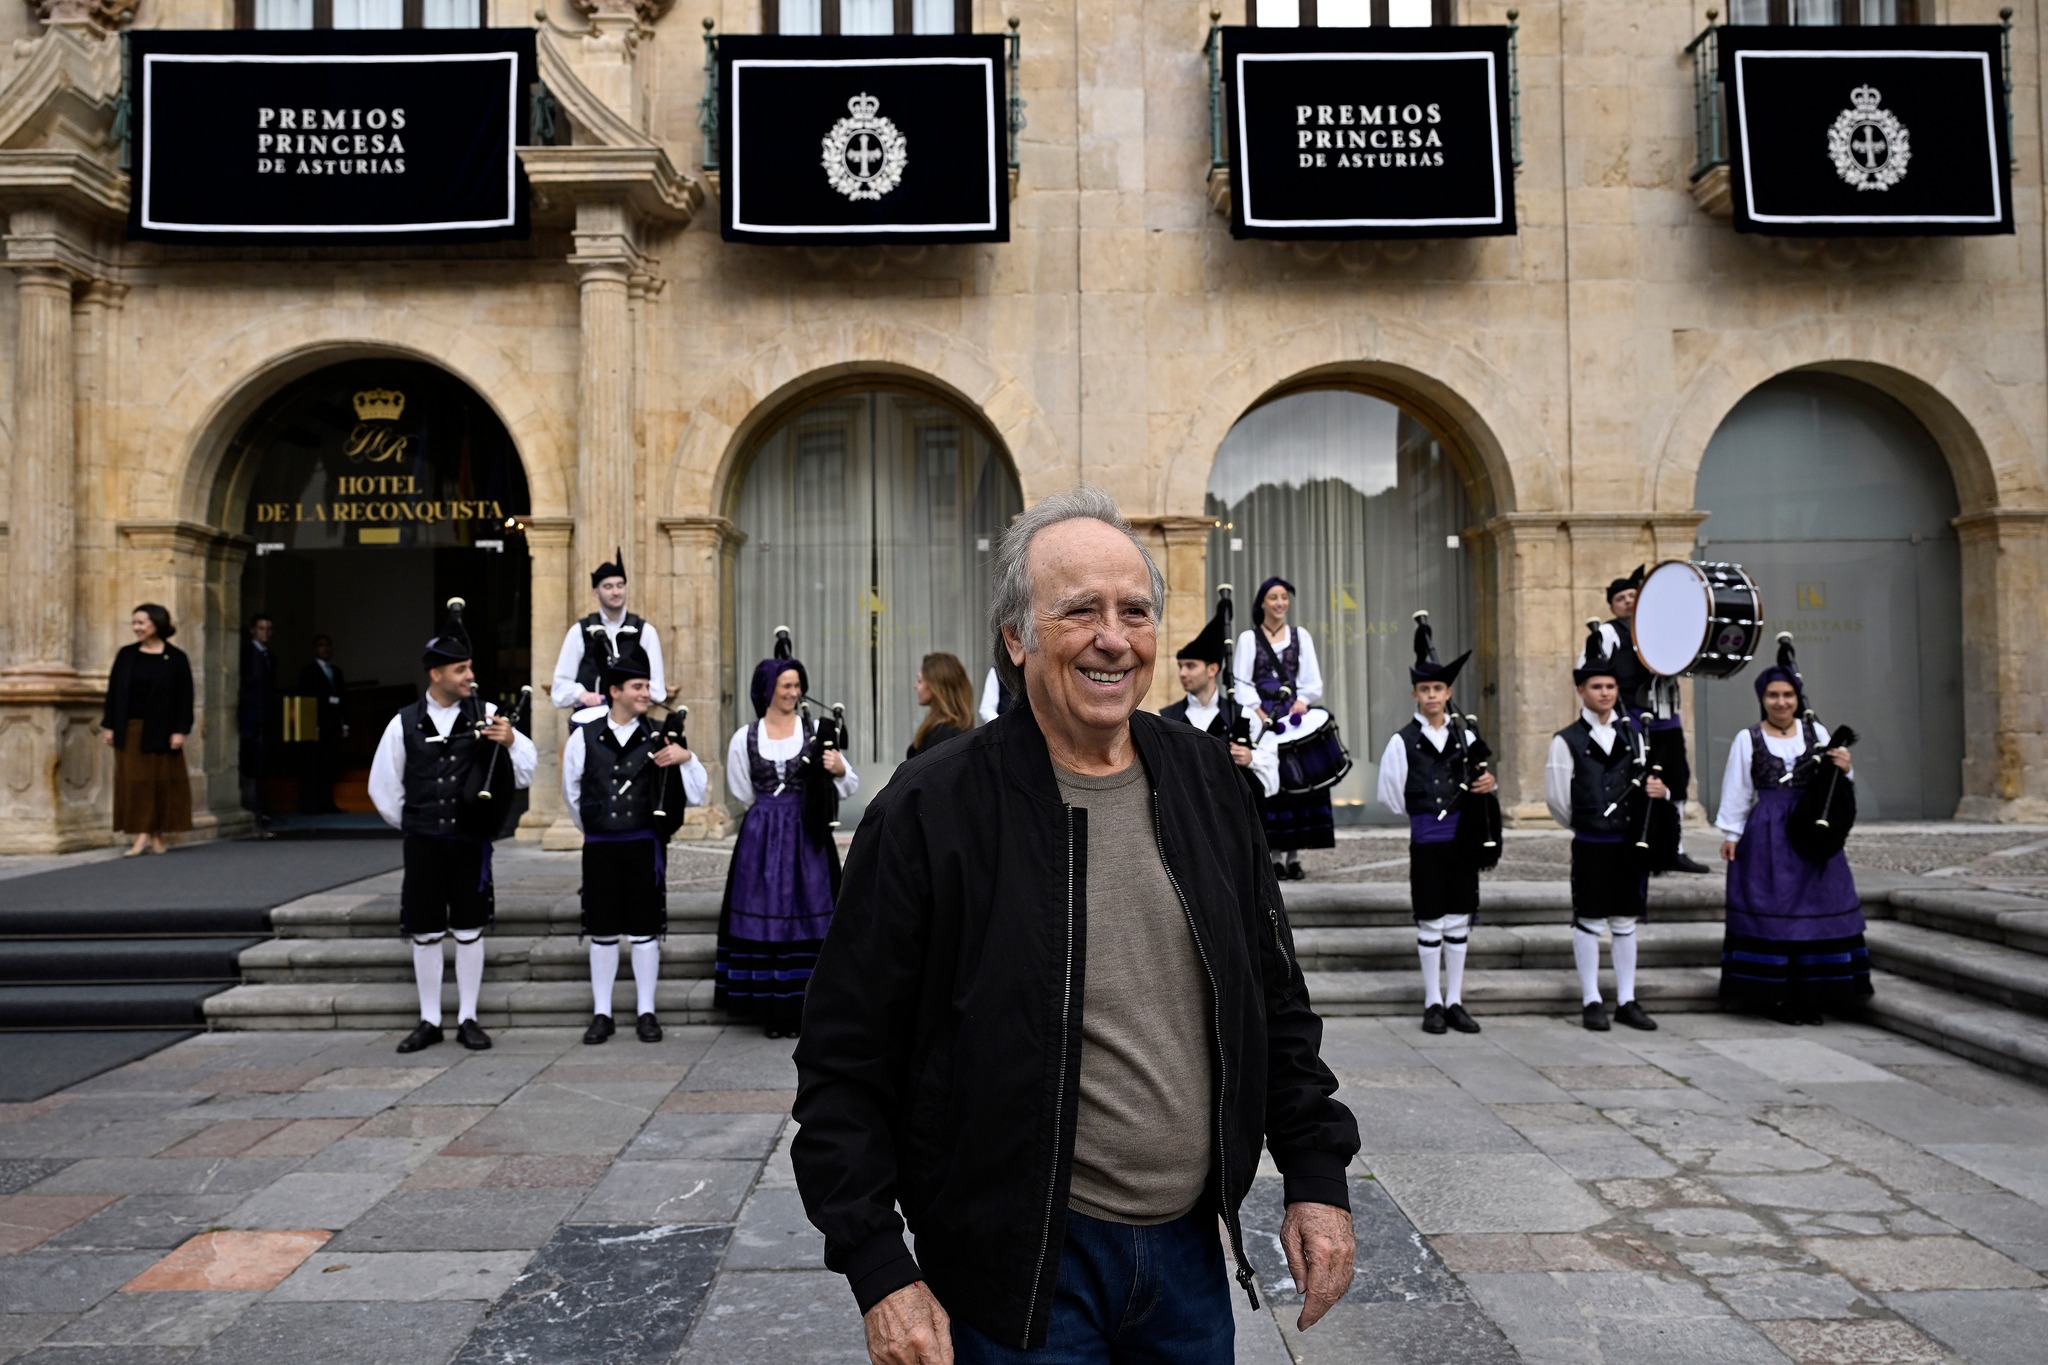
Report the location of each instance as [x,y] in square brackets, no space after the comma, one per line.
[1698,620]
[587,714]
[1312,754]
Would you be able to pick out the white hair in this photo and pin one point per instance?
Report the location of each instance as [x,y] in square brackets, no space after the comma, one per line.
[1010,600]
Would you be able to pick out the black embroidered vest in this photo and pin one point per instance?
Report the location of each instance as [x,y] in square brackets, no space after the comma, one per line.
[597,647]
[438,771]
[616,797]
[1433,777]
[1599,781]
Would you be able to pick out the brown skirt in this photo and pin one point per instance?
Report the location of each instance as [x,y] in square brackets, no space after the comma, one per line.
[151,792]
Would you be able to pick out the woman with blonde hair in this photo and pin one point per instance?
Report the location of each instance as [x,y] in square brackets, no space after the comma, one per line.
[148,715]
[943,689]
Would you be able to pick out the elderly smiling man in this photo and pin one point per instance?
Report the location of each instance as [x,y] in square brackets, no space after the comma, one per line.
[1059,1011]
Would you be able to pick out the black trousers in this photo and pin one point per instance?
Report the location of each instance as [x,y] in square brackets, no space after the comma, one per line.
[623,890]
[447,886]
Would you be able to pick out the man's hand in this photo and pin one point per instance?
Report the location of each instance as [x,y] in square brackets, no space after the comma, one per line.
[499,731]
[1727,850]
[589,699]
[177,743]
[909,1328]
[107,736]
[670,756]
[1320,1251]
[1241,756]
[1656,788]
[1486,785]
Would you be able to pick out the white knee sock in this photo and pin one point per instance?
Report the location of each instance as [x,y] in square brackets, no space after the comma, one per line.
[646,971]
[1432,951]
[469,977]
[1624,968]
[1586,953]
[426,974]
[1454,972]
[604,970]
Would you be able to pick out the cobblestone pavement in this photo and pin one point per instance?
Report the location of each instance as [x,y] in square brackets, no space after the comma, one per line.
[1723,1190]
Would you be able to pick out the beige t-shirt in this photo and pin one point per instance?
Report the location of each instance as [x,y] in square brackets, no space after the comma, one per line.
[1142,1140]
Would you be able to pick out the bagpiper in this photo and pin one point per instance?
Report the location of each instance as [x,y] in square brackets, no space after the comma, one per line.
[428,768]
[1210,707]
[626,784]
[1595,784]
[605,634]
[1428,771]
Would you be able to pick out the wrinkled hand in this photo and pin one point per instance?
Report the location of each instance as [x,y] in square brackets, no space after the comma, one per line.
[499,731]
[1487,785]
[1727,850]
[1320,1251]
[1840,757]
[1241,756]
[1656,788]
[835,763]
[671,756]
[177,743]
[909,1328]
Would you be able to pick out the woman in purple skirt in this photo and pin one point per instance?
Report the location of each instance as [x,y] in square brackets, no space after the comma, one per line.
[1794,941]
[781,883]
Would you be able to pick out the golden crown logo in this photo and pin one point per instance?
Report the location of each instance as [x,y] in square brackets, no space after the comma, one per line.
[379,405]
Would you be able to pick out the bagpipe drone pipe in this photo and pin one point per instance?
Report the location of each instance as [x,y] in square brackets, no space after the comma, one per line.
[1479,816]
[1826,809]
[821,791]
[670,801]
[491,803]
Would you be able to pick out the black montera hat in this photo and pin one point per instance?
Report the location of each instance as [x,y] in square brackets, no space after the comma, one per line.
[1211,645]
[451,646]
[615,567]
[1634,582]
[1426,668]
[1598,664]
[632,663]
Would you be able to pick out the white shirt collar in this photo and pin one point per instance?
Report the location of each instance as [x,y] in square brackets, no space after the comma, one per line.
[1195,703]
[1594,720]
[622,732]
[610,621]
[437,709]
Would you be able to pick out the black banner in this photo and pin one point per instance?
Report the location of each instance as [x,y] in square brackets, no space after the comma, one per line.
[1858,132]
[1343,133]
[329,137]
[863,140]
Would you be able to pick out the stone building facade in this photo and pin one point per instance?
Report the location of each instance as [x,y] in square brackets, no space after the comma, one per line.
[1574,373]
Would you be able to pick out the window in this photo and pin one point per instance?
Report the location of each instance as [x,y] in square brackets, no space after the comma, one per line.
[852,17]
[1352,13]
[357,14]
[1853,12]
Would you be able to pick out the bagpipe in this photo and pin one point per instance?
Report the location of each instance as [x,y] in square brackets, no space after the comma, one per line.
[1479,816]
[490,800]
[1240,719]
[821,791]
[670,800]
[1826,810]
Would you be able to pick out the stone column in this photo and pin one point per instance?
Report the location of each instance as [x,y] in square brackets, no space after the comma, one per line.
[606,261]
[1535,635]
[2005,648]
[1180,545]
[698,567]
[549,541]
[42,511]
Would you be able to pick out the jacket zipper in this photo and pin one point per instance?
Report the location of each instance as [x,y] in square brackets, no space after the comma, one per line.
[1245,1278]
[1052,1181]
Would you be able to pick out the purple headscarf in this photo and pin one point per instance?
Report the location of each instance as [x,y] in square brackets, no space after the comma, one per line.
[1780,673]
[1259,602]
[769,672]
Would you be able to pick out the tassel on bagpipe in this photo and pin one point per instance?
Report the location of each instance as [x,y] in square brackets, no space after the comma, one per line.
[821,793]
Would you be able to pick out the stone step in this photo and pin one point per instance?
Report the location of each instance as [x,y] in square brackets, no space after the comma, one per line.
[1500,947]
[1661,989]
[2007,1040]
[502,1004]
[508,957]
[1994,916]
[2013,977]
[358,914]
[1674,897]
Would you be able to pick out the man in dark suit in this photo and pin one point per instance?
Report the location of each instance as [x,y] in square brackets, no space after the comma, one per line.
[322,680]
[257,685]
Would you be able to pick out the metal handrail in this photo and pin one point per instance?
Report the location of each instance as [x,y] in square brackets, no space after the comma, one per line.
[1515,79]
[1709,122]
[1212,48]
[1016,44]
[2005,55]
[707,108]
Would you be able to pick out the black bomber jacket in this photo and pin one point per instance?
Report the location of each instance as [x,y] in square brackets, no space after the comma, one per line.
[939,1064]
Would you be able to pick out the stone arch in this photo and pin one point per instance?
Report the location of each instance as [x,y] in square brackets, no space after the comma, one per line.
[1989,456]
[1472,404]
[223,387]
[711,457]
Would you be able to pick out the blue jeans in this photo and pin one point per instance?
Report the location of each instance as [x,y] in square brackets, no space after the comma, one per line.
[1127,1295]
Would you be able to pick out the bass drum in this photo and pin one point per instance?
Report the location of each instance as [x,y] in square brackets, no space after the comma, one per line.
[1702,620]
[1312,754]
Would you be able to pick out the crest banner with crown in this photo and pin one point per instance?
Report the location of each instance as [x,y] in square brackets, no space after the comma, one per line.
[1879,131]
[845,140]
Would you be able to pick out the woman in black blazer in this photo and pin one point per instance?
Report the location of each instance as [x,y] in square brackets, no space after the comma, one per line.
[943,689]
[148,715]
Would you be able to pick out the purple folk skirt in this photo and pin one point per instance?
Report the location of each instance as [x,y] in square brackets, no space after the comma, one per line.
[779,891]
[1795,928]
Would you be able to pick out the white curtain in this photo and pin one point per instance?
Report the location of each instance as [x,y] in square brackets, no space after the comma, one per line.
[1343,13]
[1354,502]
[932,16]
[867,16]
[452,14]
[1816,11]
[1410,13]
[798,17]
[369,13]
[284,13]
[871,523]
[1279,13]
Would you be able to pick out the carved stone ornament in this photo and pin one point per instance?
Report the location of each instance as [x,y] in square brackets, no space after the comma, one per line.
[641,11]
[104,15]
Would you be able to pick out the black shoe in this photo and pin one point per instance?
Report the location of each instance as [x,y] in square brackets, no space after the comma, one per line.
[1684,862]
[1595,1017]
[647,1028]
[773,1031]
[599,1030]
[1296,872]
[1457,1018]
[1810,1015]
[425,1035]
[1632,1014]
[1786,1014]
[471,1035]
[1433,1019]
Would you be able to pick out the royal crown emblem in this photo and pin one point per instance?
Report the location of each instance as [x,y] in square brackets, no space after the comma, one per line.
[1868,144]
[379,405]
[865,154]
